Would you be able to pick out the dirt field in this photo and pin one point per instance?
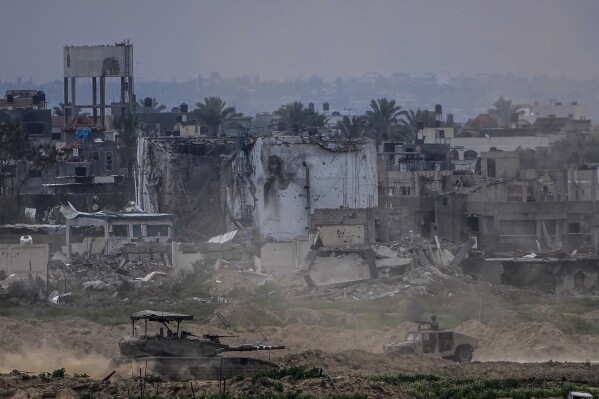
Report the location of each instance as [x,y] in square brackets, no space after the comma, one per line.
[522,335]
[512,344]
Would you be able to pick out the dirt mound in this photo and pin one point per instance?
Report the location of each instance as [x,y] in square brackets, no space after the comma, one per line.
[36,346]
[357,361]
[244,317]
[321,318]
[226,282]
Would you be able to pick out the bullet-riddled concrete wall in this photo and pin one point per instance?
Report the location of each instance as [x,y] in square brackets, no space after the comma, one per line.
[286,169]
[26,258]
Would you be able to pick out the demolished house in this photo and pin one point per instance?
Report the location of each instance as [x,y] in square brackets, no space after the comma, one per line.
[144,236]
[534,226]
[182,176]
[271,184]
[279,184]
[279,181]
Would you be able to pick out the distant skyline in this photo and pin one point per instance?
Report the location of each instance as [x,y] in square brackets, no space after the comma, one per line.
[181,39]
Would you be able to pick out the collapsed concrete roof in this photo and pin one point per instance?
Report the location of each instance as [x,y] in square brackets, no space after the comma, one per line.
[70,213]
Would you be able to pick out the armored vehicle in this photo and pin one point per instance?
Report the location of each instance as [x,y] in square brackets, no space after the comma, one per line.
[432,342]
[180,354]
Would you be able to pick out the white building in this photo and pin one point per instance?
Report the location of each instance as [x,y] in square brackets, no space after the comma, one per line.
[285,178]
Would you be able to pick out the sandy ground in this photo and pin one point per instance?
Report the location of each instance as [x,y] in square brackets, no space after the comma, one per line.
[509,347]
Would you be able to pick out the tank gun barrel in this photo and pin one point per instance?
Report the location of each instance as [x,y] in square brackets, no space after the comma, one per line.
[250,347]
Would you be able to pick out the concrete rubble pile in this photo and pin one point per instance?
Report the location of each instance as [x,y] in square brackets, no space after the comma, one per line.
[103,273]
[411,264]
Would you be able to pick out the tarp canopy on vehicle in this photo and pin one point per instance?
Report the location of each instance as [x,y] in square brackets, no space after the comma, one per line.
[160,316]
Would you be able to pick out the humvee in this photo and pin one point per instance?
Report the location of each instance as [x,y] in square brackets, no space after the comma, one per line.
[445,344]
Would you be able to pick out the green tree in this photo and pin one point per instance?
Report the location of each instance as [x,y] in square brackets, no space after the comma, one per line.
[295,117]
[408,123]
[352,127]
[502,111]
[382,117]
[214,114]
[59,110]
[153,108]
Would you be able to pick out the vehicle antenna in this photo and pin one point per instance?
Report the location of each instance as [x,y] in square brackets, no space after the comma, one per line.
[480,310]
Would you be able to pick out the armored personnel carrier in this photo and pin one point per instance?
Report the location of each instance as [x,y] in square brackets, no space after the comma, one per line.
[174,353]
[433,342]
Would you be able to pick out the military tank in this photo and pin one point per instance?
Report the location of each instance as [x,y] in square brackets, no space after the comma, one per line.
[177,354]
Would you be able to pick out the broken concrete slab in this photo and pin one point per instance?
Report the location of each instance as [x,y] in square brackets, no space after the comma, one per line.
[258,279]
[383,251]
[150,276]
[393,262]
[339,269]
[223,238]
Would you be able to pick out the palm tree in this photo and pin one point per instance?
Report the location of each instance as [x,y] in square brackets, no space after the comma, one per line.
[502,111]
[214,114]
[381,116]
[352,127]
[141,105]
[295,117]
[408,123]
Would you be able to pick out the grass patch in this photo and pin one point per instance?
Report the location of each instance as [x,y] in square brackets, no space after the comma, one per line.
[434,387]
[295,373]
[577,306]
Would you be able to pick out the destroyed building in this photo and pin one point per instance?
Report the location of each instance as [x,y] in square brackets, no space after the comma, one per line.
[128,232]
[183,176]
[271,183]
[507,208]
[280,181]
[275,185]
[410,176]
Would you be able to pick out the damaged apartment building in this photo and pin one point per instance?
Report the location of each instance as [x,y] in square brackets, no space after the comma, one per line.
[535,227]
[278,186]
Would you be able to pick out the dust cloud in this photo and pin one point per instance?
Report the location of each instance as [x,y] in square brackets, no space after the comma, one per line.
[46,359]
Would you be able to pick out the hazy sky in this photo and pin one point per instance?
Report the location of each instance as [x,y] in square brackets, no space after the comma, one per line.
[281,39]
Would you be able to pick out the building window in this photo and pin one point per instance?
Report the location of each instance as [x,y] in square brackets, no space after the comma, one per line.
[157,230]
[95,155]
[120,230]
[108,160]
[406,190]
[470,155]
[574,228]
